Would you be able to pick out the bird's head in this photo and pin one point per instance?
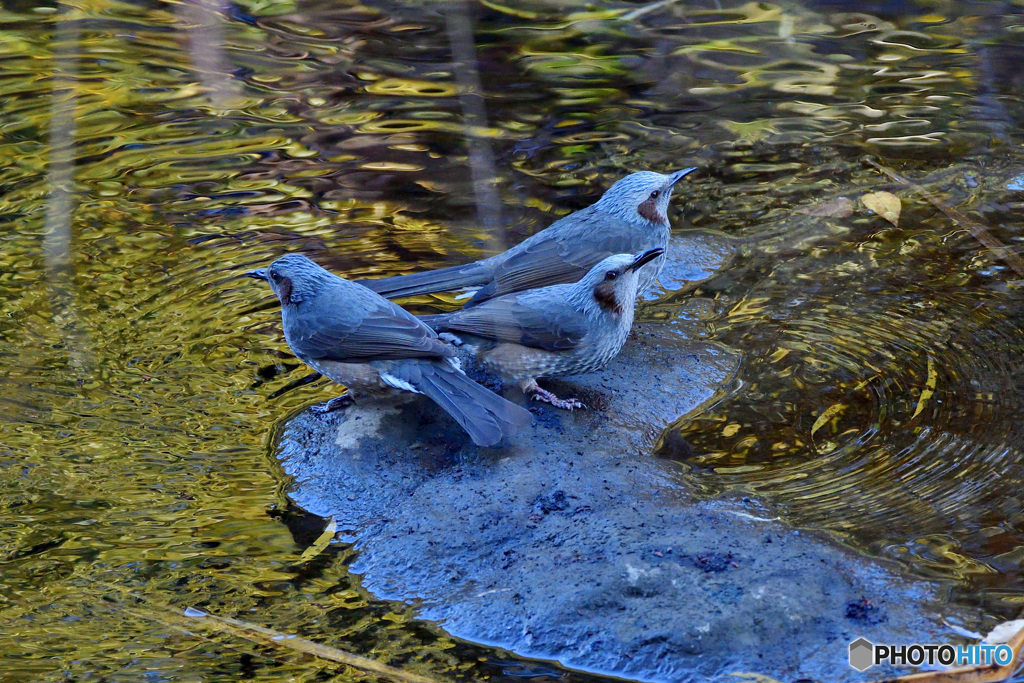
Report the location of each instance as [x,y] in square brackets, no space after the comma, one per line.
[642,197]
[613,282]
[294,278]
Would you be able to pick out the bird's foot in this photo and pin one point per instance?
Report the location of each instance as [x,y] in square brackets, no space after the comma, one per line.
[546,396]
[452,339]
[332,405]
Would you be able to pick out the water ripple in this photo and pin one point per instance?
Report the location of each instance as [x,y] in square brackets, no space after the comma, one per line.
[873,403]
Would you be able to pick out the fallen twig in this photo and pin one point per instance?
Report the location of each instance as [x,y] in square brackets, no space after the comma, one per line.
[269,636]
[980,233]
[193,618]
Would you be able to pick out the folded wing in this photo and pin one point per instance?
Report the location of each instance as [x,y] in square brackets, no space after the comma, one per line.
[550,324]
[560,254]
[375,329]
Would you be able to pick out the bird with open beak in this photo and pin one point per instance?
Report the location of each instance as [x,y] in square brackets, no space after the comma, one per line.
[566,329]
[361,340]
[630,217]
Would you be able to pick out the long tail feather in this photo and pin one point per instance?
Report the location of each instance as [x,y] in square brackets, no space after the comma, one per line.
[443,280]
[484,415]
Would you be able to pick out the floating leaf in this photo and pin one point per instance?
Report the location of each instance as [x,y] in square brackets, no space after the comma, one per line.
[885,204]
[322,541]
[828,414]
[929,387]
[840,207]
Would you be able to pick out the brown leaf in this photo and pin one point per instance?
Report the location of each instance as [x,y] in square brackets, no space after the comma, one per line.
[840,207]
[885,204]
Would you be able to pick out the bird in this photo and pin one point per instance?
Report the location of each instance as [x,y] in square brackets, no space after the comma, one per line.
[564,329]
[631,216]
[372,346]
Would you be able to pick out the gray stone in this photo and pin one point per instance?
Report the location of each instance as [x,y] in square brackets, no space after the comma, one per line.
[574,543]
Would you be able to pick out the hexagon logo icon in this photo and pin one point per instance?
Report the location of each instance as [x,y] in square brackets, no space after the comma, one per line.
[862,654]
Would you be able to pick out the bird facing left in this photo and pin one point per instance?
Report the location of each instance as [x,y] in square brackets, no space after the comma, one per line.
[361,340]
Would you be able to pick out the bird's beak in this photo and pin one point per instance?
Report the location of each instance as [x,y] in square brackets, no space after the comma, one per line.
[679,175]
[260,274]
[646,257]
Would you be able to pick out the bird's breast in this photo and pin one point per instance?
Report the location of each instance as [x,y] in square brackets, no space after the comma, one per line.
[358,377]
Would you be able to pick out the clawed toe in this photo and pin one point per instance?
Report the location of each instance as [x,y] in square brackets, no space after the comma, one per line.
[332,405]
[569,404]
[452,339]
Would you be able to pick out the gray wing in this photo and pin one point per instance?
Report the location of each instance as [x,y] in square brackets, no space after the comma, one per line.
[351,324]
[562,253]
[549,324]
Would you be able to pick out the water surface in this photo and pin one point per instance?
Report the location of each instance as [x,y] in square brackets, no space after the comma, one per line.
[152,152]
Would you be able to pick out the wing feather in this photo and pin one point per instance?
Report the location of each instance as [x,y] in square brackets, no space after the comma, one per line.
[552,325]
[351,324]
[563,253]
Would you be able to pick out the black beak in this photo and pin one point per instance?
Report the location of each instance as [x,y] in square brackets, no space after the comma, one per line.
[260,274]
[646,257]
[679,175]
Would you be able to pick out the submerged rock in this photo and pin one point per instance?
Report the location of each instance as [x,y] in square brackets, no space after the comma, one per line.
[573,543]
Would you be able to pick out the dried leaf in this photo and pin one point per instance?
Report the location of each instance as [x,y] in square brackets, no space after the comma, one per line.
[840,207]
[826,415]
[980,233]
[979,673]
[1004,632]
[929,387]
[885,204]
[321,542]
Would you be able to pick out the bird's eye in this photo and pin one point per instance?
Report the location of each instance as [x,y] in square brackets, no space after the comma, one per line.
[610,275]
[654,195]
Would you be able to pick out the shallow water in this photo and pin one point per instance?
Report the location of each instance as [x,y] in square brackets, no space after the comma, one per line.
[150,153]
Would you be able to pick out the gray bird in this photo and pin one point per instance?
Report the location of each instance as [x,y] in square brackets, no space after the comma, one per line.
[566,329]
[630,217]
[363,341]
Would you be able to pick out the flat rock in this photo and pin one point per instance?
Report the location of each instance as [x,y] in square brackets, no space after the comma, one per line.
[573,543]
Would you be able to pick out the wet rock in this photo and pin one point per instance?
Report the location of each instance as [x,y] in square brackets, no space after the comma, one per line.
[706,253]
[574,543]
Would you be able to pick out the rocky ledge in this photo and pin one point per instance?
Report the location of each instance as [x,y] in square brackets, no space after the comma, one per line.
[574,543]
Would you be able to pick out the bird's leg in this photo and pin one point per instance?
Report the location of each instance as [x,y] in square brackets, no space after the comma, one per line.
[334,404]
[452,339]
[539,394]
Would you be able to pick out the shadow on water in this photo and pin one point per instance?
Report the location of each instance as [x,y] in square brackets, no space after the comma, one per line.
[202,139]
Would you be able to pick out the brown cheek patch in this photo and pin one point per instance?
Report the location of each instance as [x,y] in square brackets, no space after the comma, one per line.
[649,210]
[286,290]
[604,294]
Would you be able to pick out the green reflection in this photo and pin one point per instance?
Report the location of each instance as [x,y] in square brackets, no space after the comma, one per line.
[210,138]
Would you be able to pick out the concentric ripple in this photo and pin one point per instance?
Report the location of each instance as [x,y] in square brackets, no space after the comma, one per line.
[875,403]
[183,143]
